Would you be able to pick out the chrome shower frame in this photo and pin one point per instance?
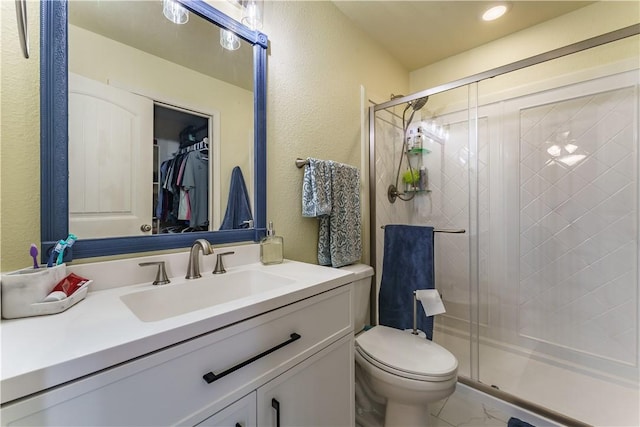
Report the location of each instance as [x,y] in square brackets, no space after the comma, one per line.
[474,382]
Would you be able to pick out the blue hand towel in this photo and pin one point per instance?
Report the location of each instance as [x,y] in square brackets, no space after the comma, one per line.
[238,206]
[331,192]
[407,265]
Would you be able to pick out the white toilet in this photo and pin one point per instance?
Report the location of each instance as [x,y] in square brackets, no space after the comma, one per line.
[407,371]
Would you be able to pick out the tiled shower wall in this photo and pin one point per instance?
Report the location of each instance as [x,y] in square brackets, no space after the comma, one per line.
[578,224]
[557,221]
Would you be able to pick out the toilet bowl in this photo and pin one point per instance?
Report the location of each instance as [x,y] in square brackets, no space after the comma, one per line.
[407,371]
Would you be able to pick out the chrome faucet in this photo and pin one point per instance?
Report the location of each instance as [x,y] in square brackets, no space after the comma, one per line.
[219,269]
[193,269]
[161,274]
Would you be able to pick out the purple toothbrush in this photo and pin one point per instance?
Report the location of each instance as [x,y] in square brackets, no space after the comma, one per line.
[34,254]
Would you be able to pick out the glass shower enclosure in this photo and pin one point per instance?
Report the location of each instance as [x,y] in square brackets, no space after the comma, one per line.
[539,164]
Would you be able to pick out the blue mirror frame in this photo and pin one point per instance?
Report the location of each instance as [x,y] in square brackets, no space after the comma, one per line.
[54,193]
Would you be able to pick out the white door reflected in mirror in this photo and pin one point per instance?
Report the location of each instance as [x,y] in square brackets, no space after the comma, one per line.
[110,160]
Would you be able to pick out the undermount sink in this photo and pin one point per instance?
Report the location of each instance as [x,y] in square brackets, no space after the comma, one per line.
[172,300]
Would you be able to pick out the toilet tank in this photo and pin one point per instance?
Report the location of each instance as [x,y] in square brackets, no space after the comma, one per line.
[362,287]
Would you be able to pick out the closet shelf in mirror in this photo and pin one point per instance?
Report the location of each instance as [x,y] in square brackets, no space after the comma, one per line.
[202,145]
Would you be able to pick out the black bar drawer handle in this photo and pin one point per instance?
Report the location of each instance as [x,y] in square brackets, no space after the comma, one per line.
[276,405]
[210,377]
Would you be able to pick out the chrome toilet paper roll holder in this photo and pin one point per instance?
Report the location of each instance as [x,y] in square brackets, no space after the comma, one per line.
[415,313]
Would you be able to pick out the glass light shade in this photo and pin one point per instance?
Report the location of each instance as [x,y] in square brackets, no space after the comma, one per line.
[252,14]
[229,40]
[174,12]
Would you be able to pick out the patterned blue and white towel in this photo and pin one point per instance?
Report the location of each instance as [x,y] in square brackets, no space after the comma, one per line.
[334,187]
[316,189]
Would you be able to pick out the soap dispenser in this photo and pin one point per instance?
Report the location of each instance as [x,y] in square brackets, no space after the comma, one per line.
[271,247]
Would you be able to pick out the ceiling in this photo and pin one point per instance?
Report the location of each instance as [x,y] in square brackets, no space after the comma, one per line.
[419,33]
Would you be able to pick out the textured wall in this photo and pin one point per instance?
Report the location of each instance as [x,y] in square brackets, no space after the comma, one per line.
[317,63]
[19,139]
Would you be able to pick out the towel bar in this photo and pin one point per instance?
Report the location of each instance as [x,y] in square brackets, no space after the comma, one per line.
[301,162]
[445,230]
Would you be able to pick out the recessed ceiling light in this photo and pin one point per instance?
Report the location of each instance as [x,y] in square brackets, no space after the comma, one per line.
[494,12]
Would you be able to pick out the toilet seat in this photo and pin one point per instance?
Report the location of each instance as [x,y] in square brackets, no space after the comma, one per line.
[403,354]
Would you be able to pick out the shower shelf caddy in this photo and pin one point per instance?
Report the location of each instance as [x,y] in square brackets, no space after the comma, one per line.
[416,191]
[415,155]
[416,151]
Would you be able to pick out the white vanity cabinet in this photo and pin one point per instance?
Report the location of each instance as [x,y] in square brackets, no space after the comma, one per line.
[299,354]
[239,414]
[317,392]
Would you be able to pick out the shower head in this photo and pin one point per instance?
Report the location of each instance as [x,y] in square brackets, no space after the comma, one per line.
[417,104]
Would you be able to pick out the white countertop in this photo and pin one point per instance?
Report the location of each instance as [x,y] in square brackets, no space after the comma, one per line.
[100,331]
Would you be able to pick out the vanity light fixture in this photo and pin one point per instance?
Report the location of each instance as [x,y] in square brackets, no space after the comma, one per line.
[229,40]
[252,13]
[174,12]
[495,12]
[251,17]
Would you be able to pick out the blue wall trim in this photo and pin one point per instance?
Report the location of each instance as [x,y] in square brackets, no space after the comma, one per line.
[53,124]
[260,129]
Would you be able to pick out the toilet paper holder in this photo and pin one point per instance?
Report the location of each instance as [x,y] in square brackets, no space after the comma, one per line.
[415,312]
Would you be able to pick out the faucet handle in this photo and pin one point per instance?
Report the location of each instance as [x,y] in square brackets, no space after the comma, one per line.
[161,274]
[219,269]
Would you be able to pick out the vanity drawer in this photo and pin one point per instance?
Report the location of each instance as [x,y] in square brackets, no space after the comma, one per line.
[167,387]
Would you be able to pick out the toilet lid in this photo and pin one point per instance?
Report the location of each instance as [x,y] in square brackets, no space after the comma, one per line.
[407,353]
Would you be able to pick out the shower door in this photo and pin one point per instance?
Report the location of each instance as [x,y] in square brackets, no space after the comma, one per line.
[561,247]
[540,167]
[444,204]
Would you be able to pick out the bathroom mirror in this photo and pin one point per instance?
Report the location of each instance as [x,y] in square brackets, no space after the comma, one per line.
[77,48]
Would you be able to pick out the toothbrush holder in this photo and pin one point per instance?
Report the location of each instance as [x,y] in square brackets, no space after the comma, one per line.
[24,289]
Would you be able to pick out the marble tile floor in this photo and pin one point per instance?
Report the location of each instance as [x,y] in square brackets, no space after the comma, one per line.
[467,407]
